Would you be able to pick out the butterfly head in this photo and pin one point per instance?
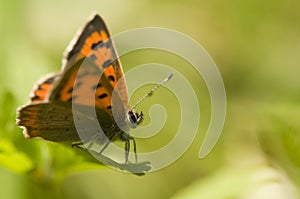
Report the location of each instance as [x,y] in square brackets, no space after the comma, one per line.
[134,119]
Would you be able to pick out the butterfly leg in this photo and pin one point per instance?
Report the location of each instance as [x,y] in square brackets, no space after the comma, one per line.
[134,148]
[127,149]
[127,140]
[105,146]
[108,142]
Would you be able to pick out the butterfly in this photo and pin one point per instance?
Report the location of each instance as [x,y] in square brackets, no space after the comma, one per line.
[84,92]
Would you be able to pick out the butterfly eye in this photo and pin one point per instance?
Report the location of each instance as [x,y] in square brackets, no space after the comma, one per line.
[134,119]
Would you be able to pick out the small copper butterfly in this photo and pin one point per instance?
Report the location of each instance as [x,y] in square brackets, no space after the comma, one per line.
[49,114]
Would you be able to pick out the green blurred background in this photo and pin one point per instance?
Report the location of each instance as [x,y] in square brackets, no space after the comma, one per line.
[254,43]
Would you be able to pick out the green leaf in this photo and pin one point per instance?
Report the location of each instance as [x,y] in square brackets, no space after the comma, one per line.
[12,159]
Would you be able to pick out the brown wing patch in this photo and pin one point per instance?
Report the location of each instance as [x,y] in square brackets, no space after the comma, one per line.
[42,88]
[55,122]
[51,122]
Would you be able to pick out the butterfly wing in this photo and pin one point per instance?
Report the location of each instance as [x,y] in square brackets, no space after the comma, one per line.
[55,122]
[95,42]
[84,84]
[52,122]
[81,82]
[92,55]
[42,88]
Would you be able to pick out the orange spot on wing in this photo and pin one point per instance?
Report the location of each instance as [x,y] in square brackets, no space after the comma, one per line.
[104,35]
[96,37]
[46,86]
[87,93]
[42,89]
[89,42]
[85,51]
[110,71]
[41,93]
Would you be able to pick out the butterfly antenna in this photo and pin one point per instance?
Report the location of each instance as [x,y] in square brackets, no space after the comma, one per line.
[152,90]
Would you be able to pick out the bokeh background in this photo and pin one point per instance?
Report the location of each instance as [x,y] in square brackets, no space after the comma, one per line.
[256,47]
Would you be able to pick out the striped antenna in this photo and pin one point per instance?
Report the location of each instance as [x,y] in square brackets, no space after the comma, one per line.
[152,90]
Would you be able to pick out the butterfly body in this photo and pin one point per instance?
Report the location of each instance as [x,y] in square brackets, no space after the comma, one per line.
[89,92]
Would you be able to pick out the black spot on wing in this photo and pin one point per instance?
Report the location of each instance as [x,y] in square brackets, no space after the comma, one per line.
[111,78]
[96,45]
[35,98]
[102,96]
[109,107]
[70,90]
[96,86]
